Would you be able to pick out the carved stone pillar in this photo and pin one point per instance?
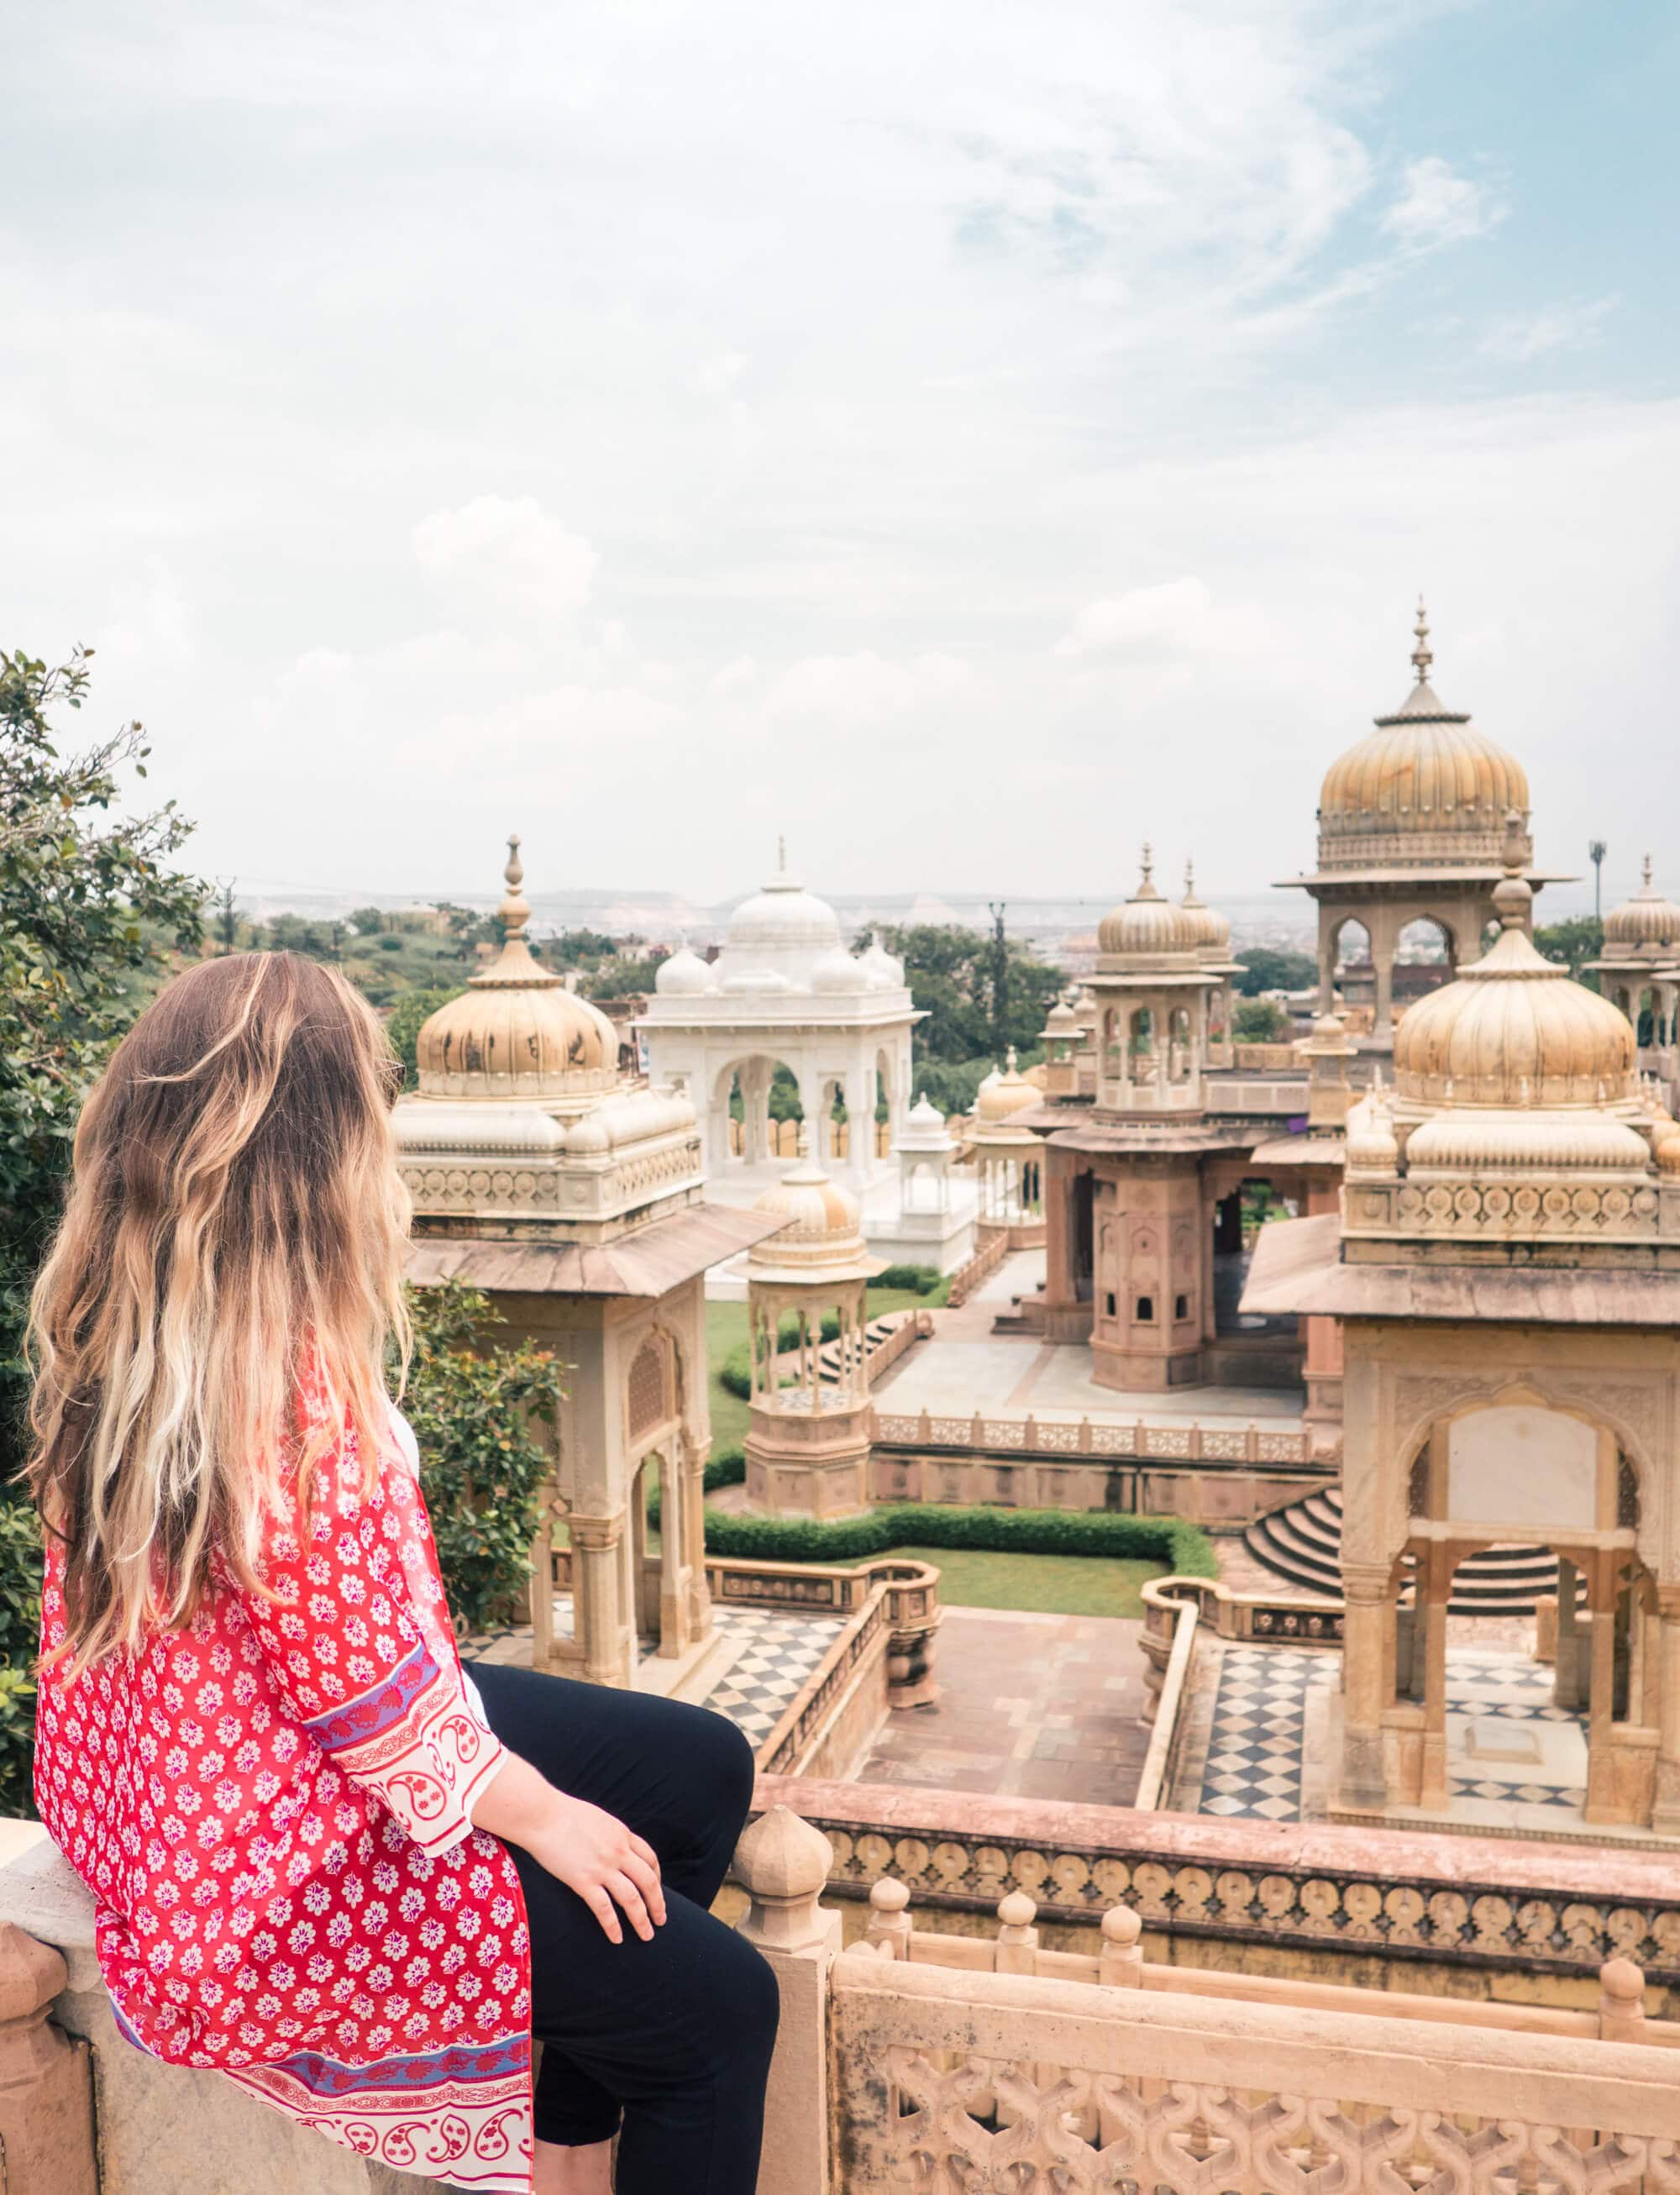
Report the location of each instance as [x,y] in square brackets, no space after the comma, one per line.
[1367,1592]
[1601,1767]
[1383,964]
[1666,1813]
[1434,1589]
[694,1454]
[1566,1680]
[604,1624]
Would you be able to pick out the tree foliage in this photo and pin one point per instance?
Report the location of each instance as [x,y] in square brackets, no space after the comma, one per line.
[90,908]
[1273,968]
[956,975]
[477,1406]
[410,1011]
[1574,942]
[1260,1020]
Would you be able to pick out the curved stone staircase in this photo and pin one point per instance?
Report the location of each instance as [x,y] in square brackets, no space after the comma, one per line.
[1302,1545]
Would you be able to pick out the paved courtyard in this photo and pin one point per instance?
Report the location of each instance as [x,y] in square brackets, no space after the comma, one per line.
[966,1367]
[1035,1707]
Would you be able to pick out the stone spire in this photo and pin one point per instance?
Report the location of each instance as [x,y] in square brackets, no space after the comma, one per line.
[1421,656]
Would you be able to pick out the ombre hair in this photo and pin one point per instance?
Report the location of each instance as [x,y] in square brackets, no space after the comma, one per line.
[220,1304]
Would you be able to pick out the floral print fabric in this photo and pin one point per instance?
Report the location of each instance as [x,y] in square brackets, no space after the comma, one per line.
[273,1811]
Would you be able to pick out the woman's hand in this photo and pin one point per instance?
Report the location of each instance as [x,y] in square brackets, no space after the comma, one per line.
[589,1850]
[609,1866]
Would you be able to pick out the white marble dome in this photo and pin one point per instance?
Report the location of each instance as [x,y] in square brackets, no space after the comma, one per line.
[783,917]
[684,975]
[837,973]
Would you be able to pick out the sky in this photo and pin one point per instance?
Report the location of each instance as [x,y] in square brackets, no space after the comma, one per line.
[968,439]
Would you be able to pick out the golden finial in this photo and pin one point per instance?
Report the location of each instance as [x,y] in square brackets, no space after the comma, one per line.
[1421,656]
[1009,1061]
[1148,860]
[1645,874]
[781,852]
[515,910]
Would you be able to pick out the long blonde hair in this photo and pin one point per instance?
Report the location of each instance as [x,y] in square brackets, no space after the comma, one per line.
[220,1301]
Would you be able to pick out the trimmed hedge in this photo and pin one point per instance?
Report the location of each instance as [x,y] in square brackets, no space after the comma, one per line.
[1185,1549]
[924,1279]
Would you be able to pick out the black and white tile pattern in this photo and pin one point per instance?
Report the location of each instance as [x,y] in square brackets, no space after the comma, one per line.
[1259,1721]
[1508,1688]
[776,1654]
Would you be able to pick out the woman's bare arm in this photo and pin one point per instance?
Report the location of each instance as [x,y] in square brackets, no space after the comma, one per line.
[582,1845]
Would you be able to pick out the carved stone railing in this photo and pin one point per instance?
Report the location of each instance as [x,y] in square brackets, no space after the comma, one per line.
[1176,1440]
[1166,1684]
[951,2064]
[914,1326]
[883,1659]
[1519,1911]
[994,1247]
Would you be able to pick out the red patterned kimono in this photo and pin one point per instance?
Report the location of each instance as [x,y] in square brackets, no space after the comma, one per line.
[273,1811]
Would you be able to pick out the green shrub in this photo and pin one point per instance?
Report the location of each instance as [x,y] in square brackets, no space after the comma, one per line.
[476,1408]
[924,1279]
[1185,1548]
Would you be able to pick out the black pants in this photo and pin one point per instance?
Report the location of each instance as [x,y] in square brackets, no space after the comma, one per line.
[672,2037]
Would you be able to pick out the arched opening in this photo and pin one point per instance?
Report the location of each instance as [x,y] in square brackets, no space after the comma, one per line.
[1517,1500]
[1425,957]
[758,1099]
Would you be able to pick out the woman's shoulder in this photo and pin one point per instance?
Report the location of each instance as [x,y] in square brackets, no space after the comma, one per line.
[403,1434]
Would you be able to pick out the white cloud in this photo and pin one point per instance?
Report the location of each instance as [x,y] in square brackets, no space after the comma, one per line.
[736,676]
[1518,338]
[866,688]
[500,554]
[717,376]
[1176,618]
[1438,206]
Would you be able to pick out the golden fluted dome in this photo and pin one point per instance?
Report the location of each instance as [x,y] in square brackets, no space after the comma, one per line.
[1515,1030]
[516,1031]
[1000,1096]
[822,1236]
[1210,931]
[1647,919]
[1147,924]
[1419,785]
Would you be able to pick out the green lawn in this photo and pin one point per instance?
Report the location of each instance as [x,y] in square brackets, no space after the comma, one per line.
[1056,1585]
[726,1327]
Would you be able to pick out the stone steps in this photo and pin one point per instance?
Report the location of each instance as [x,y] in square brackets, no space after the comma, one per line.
[1302,1545]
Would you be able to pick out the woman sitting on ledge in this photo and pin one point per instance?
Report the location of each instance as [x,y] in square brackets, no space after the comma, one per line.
[328,1861]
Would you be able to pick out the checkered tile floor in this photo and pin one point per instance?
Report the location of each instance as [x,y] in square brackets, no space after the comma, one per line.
[1258,1728]
[778,1654]
[1506,1688]
[1259,1717]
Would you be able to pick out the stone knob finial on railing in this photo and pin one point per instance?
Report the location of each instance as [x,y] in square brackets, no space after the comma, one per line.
[783,1865]
[1017,1938]
[1621,2002]
[890,1927]
[1120,1962]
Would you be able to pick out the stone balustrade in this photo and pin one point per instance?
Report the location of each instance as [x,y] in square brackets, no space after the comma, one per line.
[1221,1475]
[883,1659]
[950,2062]
[1487,1916]
[994,1247]
[1175,1607]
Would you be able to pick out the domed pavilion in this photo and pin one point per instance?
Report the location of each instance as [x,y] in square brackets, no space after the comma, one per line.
[1639,970]
[574,1197]
[784,991]
[807,1447]
[1412,824]
[1506,1266]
